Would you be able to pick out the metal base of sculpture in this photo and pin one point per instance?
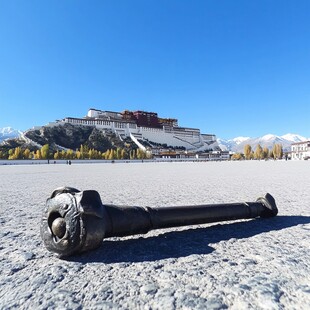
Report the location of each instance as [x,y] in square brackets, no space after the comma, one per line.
[76,221]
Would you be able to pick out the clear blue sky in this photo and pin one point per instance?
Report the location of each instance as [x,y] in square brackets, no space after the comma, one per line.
[232,68]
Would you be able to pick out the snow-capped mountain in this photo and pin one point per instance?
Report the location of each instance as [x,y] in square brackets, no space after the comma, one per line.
[237,144]
[228,145]
[294,137]
[9,133]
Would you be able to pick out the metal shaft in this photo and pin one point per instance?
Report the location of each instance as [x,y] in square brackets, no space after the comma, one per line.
[76,221]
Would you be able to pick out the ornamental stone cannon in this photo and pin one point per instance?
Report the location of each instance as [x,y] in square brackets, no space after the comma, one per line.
[76,221]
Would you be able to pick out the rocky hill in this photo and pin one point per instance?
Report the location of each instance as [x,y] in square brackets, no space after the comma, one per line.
[68,136]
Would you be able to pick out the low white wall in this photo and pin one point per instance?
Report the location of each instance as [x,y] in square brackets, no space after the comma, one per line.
[102,161]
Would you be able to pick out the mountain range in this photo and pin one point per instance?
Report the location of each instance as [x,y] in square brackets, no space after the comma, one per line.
[235,145]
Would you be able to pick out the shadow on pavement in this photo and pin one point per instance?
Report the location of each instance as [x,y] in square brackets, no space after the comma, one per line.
[190,241]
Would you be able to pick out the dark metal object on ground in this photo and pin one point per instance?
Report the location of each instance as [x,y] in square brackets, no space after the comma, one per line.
[76,221]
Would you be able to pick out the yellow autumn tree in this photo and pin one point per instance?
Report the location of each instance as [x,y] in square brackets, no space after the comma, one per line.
[247,151]
[265,152]
[26,154]
[45,149]
[258,154]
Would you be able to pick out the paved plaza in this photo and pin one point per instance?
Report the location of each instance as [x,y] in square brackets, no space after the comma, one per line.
[246,264]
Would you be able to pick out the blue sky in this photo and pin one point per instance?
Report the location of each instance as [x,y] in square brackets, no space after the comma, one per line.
[232,68]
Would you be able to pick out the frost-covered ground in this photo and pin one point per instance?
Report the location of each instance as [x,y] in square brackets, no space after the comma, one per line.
[249,264]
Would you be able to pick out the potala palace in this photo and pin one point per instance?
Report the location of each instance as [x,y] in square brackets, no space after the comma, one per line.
[147,129]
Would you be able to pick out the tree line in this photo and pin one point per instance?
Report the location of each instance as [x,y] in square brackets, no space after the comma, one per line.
[260,152]
[84,152]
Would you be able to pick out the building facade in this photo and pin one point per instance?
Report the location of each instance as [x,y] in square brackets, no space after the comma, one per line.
[147,127]
[300,150]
